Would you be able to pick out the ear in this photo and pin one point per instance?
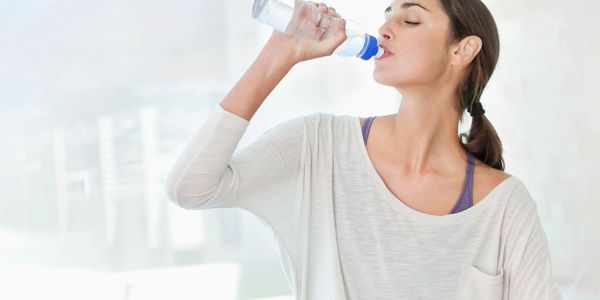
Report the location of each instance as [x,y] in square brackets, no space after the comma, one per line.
[465,51]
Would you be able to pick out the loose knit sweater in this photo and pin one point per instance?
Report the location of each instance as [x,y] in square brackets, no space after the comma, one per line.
[342,234]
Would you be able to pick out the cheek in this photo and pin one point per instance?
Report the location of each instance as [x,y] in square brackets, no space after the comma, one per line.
[413,62]
[417,58]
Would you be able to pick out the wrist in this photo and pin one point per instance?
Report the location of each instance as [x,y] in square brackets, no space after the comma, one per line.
[283,48]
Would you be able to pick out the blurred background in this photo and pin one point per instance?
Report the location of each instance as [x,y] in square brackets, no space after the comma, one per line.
[98,98]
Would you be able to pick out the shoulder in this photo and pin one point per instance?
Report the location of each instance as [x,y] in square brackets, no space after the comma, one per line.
[326,121]
[302,127]
[364,119]
[487,176]
[518,198]
[519,211]
[298,122]
[382,117]
[487,179]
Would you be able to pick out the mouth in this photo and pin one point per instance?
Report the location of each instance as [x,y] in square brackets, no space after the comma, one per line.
[385,48]
[386,53]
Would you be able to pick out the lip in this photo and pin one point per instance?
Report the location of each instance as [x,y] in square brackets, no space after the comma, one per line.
[386,53]
[386,49]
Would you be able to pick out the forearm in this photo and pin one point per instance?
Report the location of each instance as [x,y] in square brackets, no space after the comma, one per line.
[274,61]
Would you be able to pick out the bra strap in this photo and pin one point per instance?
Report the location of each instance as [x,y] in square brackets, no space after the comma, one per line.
[366,128]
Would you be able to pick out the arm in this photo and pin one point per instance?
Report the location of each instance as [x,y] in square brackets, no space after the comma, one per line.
[274,61]
[533,277]
[304,39]
[208,173]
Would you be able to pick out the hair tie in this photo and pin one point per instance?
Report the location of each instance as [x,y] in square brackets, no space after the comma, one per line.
[476,109]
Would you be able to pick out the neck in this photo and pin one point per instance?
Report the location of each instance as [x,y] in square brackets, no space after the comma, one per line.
[424,135]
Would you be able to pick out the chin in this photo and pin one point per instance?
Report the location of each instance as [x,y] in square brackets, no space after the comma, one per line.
[385,78]
[394,78]
[380,80]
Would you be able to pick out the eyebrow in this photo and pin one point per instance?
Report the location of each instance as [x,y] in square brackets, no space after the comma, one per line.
[406,5]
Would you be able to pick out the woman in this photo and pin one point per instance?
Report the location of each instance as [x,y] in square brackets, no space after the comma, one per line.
[379,219]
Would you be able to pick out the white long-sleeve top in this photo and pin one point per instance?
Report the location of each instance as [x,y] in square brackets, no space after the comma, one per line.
[342,234]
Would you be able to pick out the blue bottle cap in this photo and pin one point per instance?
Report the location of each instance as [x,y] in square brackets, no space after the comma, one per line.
[370,48]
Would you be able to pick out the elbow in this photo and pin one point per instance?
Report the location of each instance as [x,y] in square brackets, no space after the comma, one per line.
[171,191]
[183,194]
[197,186]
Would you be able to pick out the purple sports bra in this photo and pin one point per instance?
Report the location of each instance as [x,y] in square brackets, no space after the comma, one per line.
[465,200]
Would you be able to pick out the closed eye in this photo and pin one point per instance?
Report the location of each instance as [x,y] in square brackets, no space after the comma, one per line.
[411,23]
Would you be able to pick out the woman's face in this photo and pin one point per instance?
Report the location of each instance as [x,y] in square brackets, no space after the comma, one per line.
[415,32]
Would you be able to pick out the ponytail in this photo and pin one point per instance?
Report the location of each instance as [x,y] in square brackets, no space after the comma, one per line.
[484,143]
[471,17]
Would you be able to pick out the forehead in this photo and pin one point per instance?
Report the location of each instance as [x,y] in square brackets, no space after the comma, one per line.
[425,6]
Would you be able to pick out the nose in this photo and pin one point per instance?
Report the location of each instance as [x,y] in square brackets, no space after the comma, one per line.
[383,34]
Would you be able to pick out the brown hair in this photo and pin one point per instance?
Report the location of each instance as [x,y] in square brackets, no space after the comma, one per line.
[472,17]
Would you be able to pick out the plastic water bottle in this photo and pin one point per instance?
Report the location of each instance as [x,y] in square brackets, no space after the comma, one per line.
[278,14]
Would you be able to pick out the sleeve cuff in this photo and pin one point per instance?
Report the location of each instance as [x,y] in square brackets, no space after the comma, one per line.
[230,118]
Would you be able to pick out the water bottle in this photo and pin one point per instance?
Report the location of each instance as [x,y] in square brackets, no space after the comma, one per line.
[277,14]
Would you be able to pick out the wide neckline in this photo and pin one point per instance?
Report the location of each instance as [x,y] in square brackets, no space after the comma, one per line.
[399,205]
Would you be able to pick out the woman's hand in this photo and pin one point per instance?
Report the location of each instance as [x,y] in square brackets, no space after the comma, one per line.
[315,30]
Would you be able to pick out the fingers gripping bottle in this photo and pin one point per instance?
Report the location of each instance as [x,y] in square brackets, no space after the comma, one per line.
[278,14]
